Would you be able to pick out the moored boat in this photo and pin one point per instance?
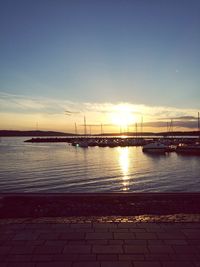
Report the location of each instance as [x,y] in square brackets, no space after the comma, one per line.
[189,149]
[155,147]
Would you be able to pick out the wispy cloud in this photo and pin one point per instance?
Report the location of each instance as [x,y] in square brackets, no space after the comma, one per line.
[66,112]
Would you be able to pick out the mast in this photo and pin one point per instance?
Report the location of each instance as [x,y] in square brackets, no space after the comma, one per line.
[198,125]
[171,127]
[141,130]
[101,129]
[136,130]
[75,127]
[85,129]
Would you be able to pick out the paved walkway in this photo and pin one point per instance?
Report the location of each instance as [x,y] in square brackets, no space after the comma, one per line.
[98,244]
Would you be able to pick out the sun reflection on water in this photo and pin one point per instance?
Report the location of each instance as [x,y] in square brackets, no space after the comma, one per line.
[124,164]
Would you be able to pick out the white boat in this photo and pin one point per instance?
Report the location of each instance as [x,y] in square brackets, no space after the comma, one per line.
[82,144]
[155,147]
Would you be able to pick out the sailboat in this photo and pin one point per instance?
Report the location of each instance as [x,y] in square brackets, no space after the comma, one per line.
[190,149]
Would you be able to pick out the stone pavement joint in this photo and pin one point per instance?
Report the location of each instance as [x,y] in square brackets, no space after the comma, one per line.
[98,244]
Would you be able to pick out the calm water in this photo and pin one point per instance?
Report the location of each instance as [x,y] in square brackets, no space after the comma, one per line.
[26,167]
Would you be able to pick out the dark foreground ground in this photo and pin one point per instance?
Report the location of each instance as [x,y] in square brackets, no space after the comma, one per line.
[102,230]
[111,204]
[92,244]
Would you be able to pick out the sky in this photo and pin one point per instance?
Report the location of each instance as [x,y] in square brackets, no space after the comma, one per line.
[115,62]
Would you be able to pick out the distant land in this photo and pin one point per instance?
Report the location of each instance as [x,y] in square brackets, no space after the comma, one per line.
[16,133]
[12,133]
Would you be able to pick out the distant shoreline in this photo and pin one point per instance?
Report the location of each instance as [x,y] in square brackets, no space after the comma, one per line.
[16,133]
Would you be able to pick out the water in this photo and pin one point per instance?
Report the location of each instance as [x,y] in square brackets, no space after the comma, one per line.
[59,167]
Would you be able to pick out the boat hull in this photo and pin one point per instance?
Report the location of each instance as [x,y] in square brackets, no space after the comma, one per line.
[188,151]
[154,150]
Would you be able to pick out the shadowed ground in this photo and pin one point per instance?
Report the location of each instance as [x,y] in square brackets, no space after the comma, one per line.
[146,236]
[110,204]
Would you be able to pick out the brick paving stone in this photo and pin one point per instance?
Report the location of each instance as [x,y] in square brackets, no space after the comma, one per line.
[103,230]
[48,249]
[175,242]
[54,264]
[19,258]
[136,249]
[34,243]
[137,230]
[105,225]
[99,236]
[107,249]
[185,249]
[22,249]
[14,226]
[131,257]
[116,242]
[72,236]
[197,264]
[107,257]
[5,237]
[127,225]
[171,236]
[155,242]
[77,241]
[49,236]
[184,257]
[157,257]
[119,230]
[124,236]
[83,230]
[160,249]
[4,250]
[82,249]
[86,264]
[74,257]
[192,234]
[25,236]
[116,264]
[20,264]
[14,243]
[81,225]
[146,264]
[42,258]
[177,264]
[135,242]
[146,236]
[97,242]
[55,243]
[59,226]
[193,241]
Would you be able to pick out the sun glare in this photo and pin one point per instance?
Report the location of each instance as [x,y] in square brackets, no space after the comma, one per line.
[123,116]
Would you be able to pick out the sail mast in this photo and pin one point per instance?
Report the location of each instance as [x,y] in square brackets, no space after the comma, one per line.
[198,125]
[85,129]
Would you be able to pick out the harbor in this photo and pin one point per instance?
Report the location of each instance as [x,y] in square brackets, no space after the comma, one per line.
[170,144]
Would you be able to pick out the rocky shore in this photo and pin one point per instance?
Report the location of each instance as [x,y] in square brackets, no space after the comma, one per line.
[111,204]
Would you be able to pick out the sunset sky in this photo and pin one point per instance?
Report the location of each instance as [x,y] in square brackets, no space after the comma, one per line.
[114,62]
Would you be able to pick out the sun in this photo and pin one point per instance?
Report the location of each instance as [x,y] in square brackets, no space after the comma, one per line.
[122,115]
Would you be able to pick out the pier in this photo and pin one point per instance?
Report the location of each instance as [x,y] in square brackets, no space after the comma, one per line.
[113,141]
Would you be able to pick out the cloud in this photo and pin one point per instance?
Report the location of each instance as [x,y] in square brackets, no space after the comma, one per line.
[66,112]
[189,118]
[176,124]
